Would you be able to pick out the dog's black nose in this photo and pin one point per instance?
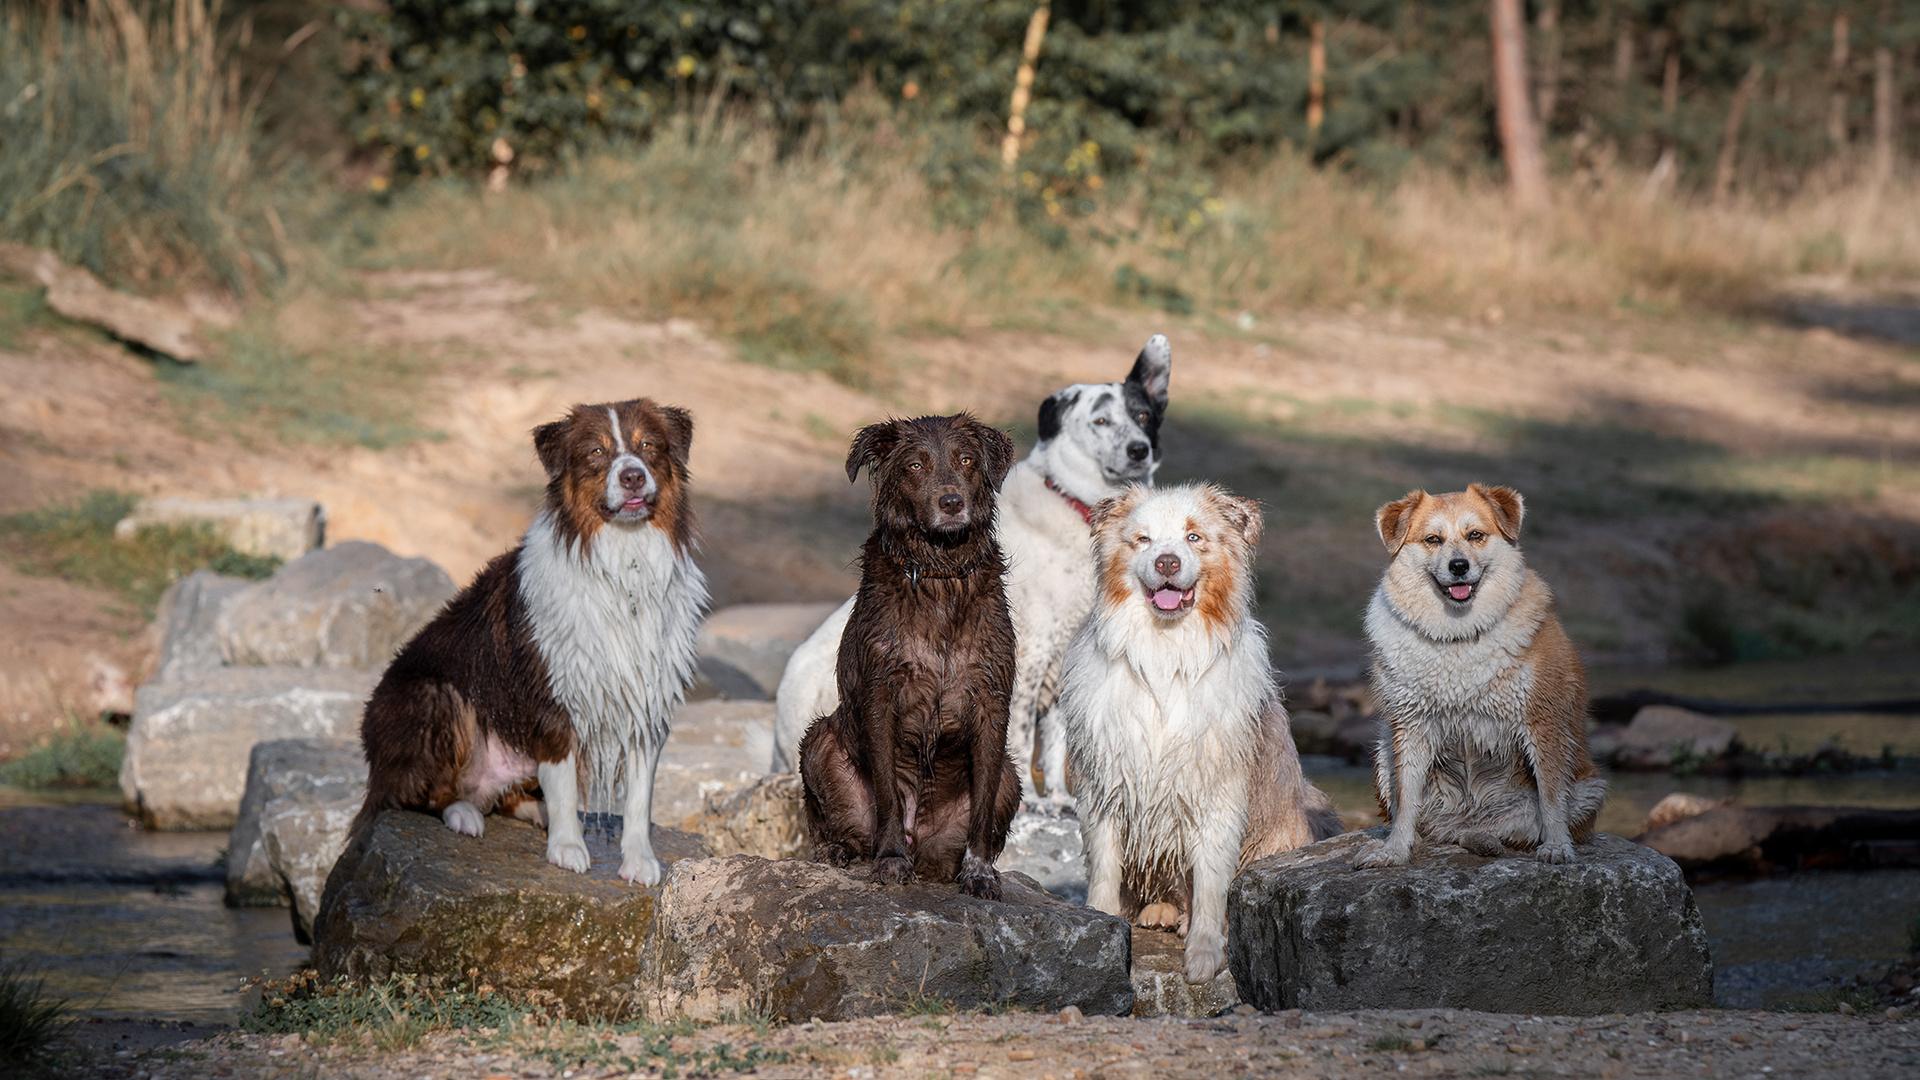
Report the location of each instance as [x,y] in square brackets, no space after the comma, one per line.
[1137,451]
[1168,565]
[952,504]
[633,479]
[1457,567]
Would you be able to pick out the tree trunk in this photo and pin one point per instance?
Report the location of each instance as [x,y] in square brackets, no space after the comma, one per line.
[1730,141]
[1548,23]
[1886,113]
[1837,107]
[1316,79]
[1519,137]
[1623,56]
[1023,88]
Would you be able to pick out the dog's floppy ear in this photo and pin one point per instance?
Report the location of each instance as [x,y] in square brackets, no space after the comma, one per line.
[1244,514]
[1508,509]
[550,442]
[678,424]
[1050,411]
[1153,369]
[996,451]
[870,445]
[1115,507]
[1394,519]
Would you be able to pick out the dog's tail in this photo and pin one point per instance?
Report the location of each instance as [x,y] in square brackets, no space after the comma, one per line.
[1323,820]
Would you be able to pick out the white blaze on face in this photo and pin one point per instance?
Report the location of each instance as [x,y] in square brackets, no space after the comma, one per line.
[627,505]
[1165,559]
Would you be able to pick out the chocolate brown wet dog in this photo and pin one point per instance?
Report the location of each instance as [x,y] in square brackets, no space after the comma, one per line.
[911,770]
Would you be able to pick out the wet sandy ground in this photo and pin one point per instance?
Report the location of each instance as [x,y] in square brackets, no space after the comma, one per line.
[1034,1047]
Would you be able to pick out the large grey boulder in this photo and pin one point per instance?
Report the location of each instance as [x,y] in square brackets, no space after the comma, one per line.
[757,639]
[301,797]
[411,896]
[191,738]
[803,939]
[188,620]
[720,935]
[1616,930]
[714,747]
[349,606]
[287,528]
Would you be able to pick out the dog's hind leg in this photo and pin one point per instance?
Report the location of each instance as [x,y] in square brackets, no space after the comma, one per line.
[838,801]
[566,844]
[637,861]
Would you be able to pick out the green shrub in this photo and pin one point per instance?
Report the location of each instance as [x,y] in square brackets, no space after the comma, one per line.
[397,1011]
[78,755]
[76,542]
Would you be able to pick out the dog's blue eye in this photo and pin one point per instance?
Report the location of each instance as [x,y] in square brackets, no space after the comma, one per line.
[1193,538]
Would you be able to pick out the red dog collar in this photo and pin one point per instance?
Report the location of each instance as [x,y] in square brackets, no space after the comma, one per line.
[1086,512]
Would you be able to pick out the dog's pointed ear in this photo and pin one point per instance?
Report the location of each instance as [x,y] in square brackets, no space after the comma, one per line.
[1394,519]
[550,442]
[1247,516]
[1153,369]
[996,451]
[1508,509]
[678,424]
[871,444]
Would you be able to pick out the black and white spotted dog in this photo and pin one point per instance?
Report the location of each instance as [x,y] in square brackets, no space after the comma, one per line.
[1095,439]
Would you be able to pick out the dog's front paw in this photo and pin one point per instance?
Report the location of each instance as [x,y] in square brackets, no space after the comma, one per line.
[1159,917]
[464,818]
[643,869]
[1560,851]
[893,870]
[1377,853]
[568,855]
[978,878]
[1205,958]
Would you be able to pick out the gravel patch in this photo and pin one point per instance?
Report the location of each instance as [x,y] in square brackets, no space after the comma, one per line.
[1025,1046]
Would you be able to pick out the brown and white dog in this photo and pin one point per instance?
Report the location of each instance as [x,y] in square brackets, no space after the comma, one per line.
[911,768]
[565,658]
[1185,766]
[1483,698]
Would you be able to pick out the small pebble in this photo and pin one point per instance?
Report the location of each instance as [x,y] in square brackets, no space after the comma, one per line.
[1893,1012]
[1024,1055]
[1413,1024]
[1072,1015]
[1791,1025]
[1245,1010]
[1848,1010]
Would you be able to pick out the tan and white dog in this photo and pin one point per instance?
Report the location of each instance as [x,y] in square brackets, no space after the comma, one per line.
[1483,698]
[1184,764]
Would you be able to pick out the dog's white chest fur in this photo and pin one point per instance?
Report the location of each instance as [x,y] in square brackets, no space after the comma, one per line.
[615,620]
[1472,688]
[1164,722]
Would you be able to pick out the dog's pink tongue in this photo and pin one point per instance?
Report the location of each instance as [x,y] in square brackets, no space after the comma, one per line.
[1168,599]
[1459,592]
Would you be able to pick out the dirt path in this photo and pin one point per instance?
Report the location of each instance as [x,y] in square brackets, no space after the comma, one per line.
[1030,1047]
[1320,415]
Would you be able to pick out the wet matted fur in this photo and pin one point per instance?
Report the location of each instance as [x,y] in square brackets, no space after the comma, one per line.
[911,769]
[1483,699]
[1095,439]
[566,657]
[1185,768]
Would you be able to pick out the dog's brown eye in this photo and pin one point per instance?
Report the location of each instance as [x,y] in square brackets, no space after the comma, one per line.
[913,466]
[597,451]
[1100,421]
[1433,541]
[966,461]
[1476,536]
